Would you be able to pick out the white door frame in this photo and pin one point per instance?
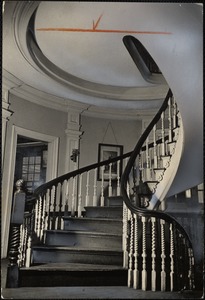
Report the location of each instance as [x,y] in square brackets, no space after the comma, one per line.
[8,175]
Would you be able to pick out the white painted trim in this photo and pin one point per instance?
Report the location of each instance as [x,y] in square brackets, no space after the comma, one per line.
[52,148]
[8,175]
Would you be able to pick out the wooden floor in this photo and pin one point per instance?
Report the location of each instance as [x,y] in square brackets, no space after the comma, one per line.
[111,292]
[92,293]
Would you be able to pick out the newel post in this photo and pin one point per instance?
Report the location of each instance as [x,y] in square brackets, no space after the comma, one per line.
[17,217]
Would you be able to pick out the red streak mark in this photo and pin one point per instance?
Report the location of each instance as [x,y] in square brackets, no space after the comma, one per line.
[94,29]
[101,30]
[96,24]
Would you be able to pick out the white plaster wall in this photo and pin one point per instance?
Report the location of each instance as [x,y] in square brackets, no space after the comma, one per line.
[40,119]
[106,131]
[180,58]
[121,132]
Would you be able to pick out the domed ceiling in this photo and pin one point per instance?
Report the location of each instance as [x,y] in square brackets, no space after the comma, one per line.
[74,51]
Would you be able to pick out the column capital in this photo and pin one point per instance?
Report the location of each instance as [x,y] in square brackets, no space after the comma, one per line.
[6,113]
[73,120]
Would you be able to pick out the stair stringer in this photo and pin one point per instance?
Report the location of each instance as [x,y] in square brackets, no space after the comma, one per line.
[164,185]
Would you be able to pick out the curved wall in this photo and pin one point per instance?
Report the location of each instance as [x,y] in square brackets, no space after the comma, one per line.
[180,58]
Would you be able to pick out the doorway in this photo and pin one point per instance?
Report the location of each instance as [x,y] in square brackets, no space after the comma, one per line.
[31,162]
[9,172]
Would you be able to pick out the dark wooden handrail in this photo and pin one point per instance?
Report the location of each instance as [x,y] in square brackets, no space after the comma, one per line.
[142,211]
[54,182]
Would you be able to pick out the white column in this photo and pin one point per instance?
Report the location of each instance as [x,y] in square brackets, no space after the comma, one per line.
[73,136]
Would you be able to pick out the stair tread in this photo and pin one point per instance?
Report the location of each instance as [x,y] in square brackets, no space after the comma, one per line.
[93,219]
[84,232]
[77,249]
[72,267]
[104,207]
[152,181]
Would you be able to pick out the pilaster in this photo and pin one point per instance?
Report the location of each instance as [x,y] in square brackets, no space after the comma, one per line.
[73,134]
[6,114]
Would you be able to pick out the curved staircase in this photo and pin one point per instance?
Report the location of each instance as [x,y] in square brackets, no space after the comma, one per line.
[70,237]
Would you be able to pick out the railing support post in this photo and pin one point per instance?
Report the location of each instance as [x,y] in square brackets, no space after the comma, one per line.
[17,218]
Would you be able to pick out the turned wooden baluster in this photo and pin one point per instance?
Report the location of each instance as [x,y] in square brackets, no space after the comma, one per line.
[171,257]
[144,255]
[163,256]
[153,255]
[47,202]
[155,154]
[118,178]
[102,199]
[170,119]
[60,220]
[162,135]
[136,254]
[36,216]
[125,236]
[74,196]
[66,198]
[147,159]
[191,267]
[131,252]
[110,181]
[80,196]
[180,262]
[30,230]
[134,188]
[52,208]
[42,227]
[87,198]
[39,217]
[17,218]
[174,113]
[23,237]
[95,188]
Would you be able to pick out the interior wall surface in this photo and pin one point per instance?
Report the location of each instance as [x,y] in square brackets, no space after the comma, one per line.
[40,119]
[34,118]
[106,131]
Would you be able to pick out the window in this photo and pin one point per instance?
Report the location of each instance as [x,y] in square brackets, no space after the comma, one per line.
[31,162]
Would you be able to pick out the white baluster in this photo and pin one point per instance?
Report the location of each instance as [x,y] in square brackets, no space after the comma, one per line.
[39,217]
[102,199]
[131,252]
[28,253]
[141,166]
[125,236]
[36,216]
[136,254]
[163,256]
[67,197]
[80,196]
[155,148]
[87,189]
[118,178]
[21,244]
[110,181]
[153,277]
[46,199]
[163,135]
[148,173]
[170,120]
[43,218]
[171,258]
[95,188]
[144,255]
[174,113]
[73,197]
